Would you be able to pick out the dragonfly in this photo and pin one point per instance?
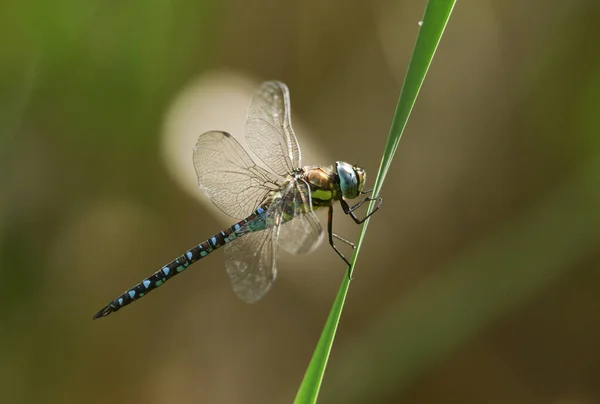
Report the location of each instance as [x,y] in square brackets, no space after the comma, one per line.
[276,201]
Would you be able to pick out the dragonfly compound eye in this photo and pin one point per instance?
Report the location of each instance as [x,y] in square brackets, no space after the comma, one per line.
[349,181]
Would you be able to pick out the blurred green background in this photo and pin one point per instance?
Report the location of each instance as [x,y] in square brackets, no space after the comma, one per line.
[478,281]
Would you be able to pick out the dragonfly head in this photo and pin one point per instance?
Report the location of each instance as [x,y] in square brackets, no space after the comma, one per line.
[352,179]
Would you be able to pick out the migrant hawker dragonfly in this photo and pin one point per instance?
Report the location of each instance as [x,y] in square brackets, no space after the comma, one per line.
[277,203]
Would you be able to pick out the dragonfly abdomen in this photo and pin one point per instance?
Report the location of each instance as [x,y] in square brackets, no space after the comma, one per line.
[254,222]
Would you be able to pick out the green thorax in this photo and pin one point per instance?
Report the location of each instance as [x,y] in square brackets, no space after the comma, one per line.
[324,185]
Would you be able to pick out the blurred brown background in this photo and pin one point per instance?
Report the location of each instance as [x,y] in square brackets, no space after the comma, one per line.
[478,281]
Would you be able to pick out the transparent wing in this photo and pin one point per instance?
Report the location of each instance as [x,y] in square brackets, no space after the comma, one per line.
[231,180]
[251,264]
[290,222]
[269,130]
[296,227]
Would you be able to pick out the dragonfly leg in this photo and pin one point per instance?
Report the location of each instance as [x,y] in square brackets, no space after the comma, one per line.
[332,234]
[349,210]
[350,243]
[358,205]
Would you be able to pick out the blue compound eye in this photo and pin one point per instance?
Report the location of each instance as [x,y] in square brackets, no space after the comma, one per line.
[349,180]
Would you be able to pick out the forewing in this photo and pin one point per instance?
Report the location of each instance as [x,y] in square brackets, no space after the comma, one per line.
[231,180]
[296,227]
[251,263]
[269,132]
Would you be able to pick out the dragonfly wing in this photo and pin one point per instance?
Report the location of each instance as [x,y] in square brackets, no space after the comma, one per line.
[297,229]
[251,264]
[269,130]
[231,180]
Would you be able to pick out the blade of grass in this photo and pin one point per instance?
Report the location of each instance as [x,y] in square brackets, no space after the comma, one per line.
[435,19]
